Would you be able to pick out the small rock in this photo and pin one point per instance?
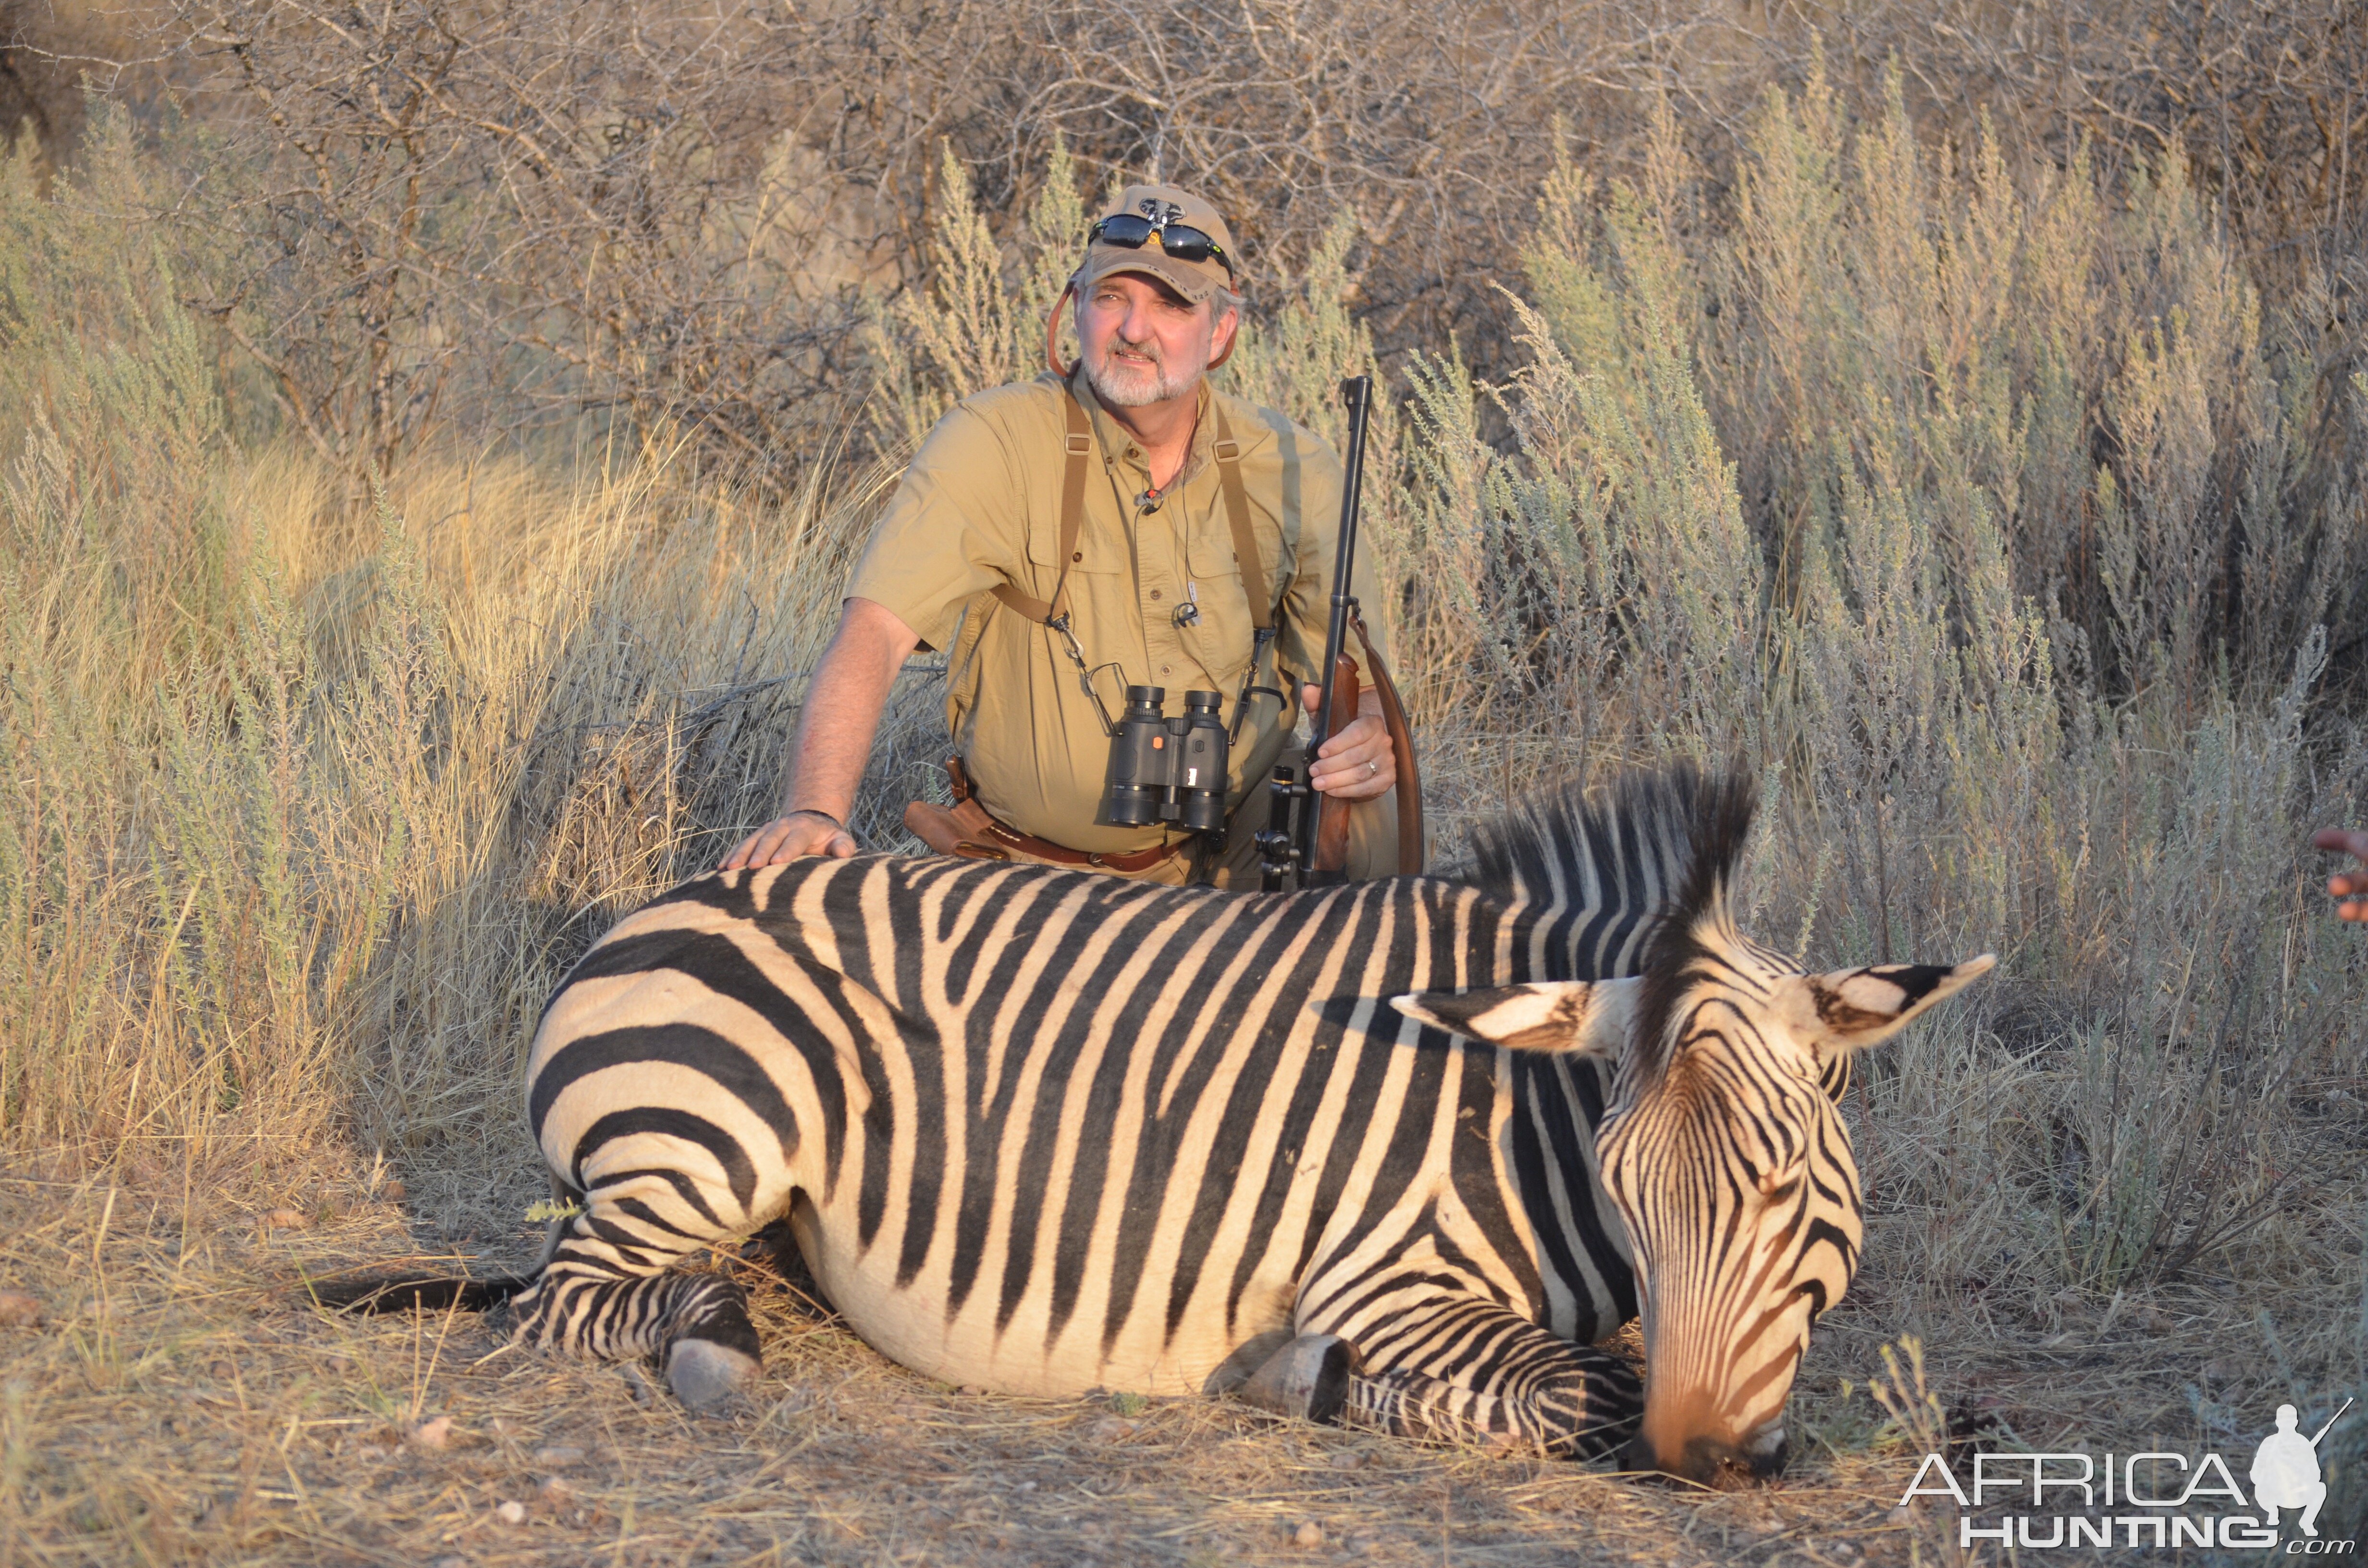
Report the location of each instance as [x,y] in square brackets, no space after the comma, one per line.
[1350,1460]
[1025,1486]
[434,1436]
[971,1388]
[19,1310]
[1109,1428]
[510,1513]
[555,1491]
[391,1192]
[638,1385]
[1900,1516]
[283,1220]
[1309,1534]
[558,1453]
[448,1563]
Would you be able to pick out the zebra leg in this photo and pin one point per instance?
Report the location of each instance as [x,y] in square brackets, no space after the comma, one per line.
[1307,1380]
[1472,1371]
[606,1292]
[1563,1417]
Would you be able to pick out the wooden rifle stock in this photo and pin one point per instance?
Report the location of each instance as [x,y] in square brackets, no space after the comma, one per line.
[1332,835]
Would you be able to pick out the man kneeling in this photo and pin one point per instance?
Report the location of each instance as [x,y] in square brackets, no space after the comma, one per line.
[1068,537]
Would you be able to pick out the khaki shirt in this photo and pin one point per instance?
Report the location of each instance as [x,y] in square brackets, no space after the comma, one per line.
[981,505]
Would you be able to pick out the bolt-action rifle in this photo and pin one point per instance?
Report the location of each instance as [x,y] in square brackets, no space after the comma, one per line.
[1306,841]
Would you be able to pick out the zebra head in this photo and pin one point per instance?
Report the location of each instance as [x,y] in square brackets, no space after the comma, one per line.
[1721,1142]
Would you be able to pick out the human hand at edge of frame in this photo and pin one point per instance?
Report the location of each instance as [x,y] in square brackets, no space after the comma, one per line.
[1357,764]
[787,837]
[2350,889]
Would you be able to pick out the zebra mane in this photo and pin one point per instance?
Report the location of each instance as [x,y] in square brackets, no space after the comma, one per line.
[1685,933]
[1599,870]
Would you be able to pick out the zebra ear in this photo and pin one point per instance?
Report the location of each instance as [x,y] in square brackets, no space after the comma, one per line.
[1546,1015]
[1850,1009]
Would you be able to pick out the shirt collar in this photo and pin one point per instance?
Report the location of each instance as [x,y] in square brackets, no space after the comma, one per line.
[1116,441]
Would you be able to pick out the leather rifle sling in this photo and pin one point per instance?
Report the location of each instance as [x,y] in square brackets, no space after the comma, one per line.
[1073,511]
[1409,784]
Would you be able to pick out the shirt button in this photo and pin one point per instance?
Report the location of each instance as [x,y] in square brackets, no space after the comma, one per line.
[1165,670]
[1080,555]
[1155,593]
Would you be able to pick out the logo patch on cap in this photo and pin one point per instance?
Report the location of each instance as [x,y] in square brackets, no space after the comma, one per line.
[1161,213]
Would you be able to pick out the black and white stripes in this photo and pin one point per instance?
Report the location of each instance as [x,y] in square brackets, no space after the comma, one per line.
[1048,1131]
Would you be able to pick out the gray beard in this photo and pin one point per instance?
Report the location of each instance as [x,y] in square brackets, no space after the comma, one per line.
[1117,388]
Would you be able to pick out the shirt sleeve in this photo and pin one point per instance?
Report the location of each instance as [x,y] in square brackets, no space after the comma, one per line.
[956,526]
[1307,603]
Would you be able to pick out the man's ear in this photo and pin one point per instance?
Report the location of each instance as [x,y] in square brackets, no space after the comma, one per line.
[1224,332]
[1850,1009]
[1546,1015]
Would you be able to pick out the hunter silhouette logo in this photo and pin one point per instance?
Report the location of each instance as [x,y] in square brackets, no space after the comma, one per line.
[2285,1471]
[2158,1499]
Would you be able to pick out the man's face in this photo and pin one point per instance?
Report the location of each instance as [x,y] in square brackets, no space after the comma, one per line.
[1144,343]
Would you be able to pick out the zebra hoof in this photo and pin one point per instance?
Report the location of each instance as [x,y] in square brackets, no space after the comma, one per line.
[1306,1380]
[709,1376]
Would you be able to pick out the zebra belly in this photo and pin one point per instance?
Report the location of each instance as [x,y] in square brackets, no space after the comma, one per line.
[919,1325]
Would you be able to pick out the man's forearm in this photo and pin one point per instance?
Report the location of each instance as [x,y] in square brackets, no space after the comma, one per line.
[842,710]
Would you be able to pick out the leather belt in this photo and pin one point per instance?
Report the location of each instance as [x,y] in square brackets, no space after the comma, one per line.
[971,832]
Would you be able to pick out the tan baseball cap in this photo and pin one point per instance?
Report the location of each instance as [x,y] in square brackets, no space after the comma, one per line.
[1162,205]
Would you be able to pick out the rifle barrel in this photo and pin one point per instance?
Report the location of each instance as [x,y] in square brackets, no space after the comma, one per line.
[1357,395]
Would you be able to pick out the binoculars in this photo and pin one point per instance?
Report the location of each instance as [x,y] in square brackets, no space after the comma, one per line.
[1170,770]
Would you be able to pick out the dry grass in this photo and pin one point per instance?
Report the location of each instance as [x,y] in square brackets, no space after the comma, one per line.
[180,1405]
[1997,524]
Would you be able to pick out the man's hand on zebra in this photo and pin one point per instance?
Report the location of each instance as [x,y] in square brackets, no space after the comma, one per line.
[2348,889]
[787,837]
[1357,764]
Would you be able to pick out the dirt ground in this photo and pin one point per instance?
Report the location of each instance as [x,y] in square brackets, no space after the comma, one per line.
[178,1403]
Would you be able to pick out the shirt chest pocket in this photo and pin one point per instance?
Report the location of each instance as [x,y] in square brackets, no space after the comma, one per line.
[1235,582]
[1095,551]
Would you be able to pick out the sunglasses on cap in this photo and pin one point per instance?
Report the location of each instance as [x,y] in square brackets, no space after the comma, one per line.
[1128,231]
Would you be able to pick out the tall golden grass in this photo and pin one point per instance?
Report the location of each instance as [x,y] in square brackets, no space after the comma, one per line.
[1998,527]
